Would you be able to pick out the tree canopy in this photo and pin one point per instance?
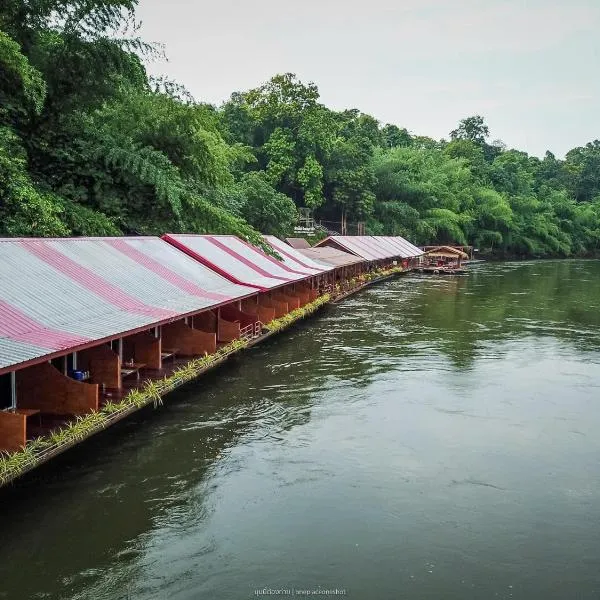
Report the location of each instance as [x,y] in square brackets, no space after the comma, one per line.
[90,145]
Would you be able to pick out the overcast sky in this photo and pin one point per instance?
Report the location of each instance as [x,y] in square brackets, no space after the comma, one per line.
[530,67]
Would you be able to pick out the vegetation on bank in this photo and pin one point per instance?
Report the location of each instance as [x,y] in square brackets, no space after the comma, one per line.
[90,145]
[297,314]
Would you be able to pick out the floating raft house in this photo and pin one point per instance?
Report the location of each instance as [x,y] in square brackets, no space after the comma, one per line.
[87,322]
[378,249]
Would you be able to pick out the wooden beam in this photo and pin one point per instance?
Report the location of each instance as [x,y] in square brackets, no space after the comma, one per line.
[13,390]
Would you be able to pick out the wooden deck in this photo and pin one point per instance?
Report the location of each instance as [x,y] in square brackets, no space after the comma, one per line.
[432,270]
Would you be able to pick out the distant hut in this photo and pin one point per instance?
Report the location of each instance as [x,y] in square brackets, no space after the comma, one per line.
[445,258]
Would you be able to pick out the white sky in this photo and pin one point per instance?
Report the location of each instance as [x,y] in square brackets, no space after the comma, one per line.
[530,67]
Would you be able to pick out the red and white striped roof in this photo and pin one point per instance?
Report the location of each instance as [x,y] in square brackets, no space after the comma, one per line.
[239,261]
[373,248]
[294,258]
[58,294]
[328,255]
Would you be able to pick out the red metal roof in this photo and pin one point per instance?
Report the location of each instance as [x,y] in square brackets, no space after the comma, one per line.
[59,294]
[239,261]
[373,248]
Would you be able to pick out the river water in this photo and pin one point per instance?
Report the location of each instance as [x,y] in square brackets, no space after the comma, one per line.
[429,438]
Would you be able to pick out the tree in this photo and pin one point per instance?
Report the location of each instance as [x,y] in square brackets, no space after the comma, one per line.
[395,137]
[90,145]
[583,167]
[473,129]
[264,208]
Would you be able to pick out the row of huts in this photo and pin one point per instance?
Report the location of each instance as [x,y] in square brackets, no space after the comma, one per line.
[85,320]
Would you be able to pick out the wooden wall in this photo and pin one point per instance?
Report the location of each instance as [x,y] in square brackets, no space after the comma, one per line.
[103,364]
[304,295]
[228,331]
[264,314]
[188,341]
[46,389]
[231,313]
[12,431]
[293,302]
[143,348]
[281,308]
[205,321]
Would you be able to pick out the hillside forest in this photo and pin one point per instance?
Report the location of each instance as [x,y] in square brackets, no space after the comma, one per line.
[91,145]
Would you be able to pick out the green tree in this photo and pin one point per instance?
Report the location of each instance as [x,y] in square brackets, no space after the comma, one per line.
[583,167]
[266,209]
[473,129]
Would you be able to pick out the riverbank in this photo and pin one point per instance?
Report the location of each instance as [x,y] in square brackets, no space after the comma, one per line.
[153,391]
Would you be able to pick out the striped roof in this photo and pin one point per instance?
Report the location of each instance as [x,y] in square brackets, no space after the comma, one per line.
[373,247]
[298,243]
[64,293]
[410,250]
[331,256]
[237,260]
[294,258]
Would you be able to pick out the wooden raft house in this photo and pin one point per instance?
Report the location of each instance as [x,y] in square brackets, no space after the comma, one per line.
[380,252]
[444,260]
[84,321]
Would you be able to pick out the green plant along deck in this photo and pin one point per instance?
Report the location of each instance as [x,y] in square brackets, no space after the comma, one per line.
[41,449]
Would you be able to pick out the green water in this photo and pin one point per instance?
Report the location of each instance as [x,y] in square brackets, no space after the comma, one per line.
[429,438]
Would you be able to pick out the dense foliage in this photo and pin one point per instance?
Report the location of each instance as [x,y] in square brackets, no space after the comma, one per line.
[90,145]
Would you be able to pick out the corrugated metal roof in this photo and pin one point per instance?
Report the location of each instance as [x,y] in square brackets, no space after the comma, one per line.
[295,259]
[377,245]
[57,294]
[410,249]
[298,243]
[373,247]
[350,245]
[332,256]
[237,260]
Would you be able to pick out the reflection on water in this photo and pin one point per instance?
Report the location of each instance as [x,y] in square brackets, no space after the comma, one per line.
[428,438]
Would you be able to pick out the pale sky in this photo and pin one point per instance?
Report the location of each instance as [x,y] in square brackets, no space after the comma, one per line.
[530,67]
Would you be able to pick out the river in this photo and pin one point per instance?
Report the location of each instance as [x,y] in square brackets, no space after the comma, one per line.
[428,438]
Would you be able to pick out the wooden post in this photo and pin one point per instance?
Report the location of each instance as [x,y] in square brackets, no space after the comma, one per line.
[120,352]
[74,361]
[218,320]
[13,390]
